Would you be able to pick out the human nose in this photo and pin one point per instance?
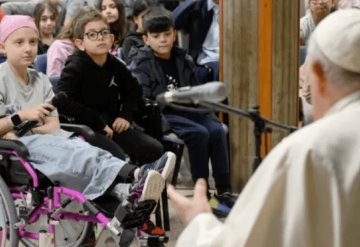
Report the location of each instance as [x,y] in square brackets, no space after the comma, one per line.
[100,36]
[162,38]
[28,47]
[48,22]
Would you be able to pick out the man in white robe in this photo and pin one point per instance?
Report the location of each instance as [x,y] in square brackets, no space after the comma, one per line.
[307,190]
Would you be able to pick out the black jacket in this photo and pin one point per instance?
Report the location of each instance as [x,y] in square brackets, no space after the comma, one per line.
[150,75]
[96,96]
[133,40]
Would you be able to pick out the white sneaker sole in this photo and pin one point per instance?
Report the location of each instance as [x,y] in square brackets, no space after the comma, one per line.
[169,166]
[153,187]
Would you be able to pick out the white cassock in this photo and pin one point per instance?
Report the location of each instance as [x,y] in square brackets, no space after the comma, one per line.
[305,193]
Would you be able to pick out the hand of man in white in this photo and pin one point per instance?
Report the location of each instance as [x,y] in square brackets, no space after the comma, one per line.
[187,208]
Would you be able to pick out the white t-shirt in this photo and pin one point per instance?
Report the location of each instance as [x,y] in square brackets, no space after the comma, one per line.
[307,26]
[39,89]
[210,47]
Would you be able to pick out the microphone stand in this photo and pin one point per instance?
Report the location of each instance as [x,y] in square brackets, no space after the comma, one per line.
[260,124]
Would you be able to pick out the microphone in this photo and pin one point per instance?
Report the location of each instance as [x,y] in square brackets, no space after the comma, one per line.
[209,92]
[60,96]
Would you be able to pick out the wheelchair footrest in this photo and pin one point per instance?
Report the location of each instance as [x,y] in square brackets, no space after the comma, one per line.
[134,216]
[153,241]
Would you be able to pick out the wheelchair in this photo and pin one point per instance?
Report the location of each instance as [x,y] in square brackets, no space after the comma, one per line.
[37,212]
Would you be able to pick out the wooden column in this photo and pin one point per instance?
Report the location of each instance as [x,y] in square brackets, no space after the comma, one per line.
[285,64]
[240,73]
[260,61]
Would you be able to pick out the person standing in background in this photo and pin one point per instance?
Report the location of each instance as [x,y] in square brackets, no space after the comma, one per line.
[318,10]
[200,18]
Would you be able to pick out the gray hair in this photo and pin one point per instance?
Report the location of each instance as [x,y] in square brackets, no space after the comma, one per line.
[335,74]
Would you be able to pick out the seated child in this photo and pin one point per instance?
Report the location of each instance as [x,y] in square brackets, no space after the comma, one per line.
[161,67]
[45,17]
[63,46]
[101,93]
[134,38]
[72,162]
[58,52]
[114,13]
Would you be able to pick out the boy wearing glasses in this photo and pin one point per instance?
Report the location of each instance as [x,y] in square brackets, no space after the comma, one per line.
[100,91]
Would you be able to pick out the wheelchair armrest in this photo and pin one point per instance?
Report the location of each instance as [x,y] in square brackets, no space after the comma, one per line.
[80,129]
[15,145]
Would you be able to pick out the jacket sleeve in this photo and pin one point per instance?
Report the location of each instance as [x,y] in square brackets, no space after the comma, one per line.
[143,74]
[70,84]
[191,69]
[126,47]
[182,12]
[56,57]
[130,94]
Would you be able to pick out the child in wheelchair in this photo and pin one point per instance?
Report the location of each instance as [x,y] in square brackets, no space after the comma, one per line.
[70,162]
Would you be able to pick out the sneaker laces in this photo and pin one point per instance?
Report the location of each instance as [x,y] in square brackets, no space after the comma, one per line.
[157,165]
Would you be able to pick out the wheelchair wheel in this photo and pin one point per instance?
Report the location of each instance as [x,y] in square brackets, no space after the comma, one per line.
[68,233]
[8,217]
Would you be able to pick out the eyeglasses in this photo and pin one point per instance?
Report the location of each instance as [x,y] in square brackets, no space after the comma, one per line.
[319,1]
[94,35]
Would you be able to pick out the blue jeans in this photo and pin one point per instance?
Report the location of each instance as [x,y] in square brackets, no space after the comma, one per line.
[215,69]
[203,74]
[205,138]
[73,163]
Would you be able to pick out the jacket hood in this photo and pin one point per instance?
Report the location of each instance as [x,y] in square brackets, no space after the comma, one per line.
[134,34]
[79,55]
[145,53]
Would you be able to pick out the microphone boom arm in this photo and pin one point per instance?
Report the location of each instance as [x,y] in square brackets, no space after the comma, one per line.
[247,113]
[260,124]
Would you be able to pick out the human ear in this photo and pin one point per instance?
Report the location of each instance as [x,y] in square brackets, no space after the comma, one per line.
[319,73]
[79,44]
[146,39]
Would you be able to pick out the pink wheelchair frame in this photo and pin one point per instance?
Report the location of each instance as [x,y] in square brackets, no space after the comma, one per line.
[37,202]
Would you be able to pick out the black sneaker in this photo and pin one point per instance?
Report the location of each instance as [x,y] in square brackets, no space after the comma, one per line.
[227,199]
